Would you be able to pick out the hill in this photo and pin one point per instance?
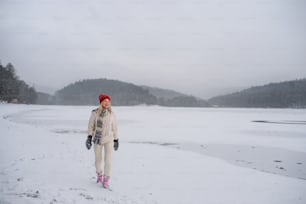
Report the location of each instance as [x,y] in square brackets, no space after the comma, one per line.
[85,92]
[288,94]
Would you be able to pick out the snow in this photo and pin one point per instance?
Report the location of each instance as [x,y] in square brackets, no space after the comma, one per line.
[166,155]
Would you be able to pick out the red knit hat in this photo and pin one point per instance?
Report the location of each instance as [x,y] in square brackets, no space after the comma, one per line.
[103,96]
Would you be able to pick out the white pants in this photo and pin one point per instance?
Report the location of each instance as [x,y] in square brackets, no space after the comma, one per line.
[108,148]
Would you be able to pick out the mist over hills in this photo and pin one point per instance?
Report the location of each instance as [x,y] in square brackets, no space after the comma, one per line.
[163,93]
[288,94]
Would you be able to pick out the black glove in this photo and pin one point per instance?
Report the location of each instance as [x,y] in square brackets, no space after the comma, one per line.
[116,144]
[88,142]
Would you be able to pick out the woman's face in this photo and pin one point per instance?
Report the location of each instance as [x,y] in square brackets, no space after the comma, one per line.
[106,103]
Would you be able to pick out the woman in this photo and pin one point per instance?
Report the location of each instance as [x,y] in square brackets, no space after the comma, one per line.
[102,130]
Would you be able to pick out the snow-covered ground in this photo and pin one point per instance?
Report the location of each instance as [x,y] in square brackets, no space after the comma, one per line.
[166,155]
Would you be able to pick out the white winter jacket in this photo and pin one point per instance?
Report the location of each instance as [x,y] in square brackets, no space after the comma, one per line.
[103,127]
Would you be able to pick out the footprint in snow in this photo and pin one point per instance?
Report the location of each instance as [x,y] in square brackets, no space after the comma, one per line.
[88,197]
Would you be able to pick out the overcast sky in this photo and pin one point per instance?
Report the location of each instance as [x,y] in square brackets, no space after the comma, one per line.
[198,47]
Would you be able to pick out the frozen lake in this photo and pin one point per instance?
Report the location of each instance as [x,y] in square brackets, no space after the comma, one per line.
[163,149]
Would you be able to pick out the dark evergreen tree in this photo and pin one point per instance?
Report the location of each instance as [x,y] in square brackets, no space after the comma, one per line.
[13,89]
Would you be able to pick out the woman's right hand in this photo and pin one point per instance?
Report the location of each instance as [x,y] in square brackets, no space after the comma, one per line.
[88,142]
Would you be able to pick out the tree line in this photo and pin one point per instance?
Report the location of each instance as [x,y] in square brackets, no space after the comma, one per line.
[288,94]
[14,90]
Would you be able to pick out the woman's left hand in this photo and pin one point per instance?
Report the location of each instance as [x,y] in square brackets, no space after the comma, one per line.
[116,144]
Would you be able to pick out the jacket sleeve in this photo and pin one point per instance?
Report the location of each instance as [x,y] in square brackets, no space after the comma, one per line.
[92,123]
[114,127]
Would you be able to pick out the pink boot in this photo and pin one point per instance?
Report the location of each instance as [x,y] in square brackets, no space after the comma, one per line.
[99,178]
[105,181]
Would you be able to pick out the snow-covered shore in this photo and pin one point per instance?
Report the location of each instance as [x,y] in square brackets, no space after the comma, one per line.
[166,155]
